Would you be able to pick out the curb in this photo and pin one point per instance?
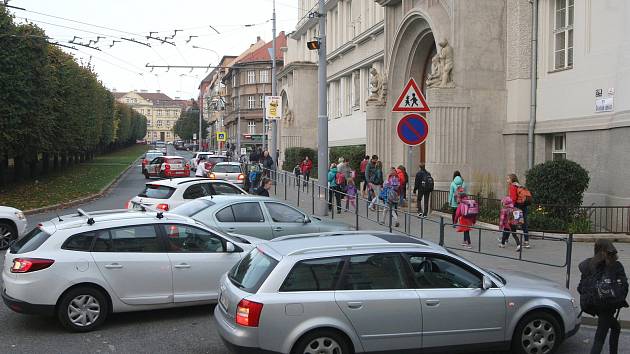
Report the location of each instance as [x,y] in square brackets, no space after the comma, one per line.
[79,201]
[592,321]
[576,237]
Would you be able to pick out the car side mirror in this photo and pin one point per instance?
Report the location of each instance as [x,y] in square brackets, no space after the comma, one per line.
[306,220]
[229,247]
[486,283]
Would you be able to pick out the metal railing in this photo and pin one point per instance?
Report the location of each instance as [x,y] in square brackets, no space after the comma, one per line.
[438,229]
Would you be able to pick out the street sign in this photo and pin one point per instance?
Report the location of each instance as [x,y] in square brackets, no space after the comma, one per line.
[413,129]
[194,136]
[243,151]
[273,107]
[221,136]
[411,99]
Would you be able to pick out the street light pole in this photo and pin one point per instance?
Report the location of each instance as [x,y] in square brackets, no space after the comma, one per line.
[274,88]
[322,117]
[200,104]
[238,117]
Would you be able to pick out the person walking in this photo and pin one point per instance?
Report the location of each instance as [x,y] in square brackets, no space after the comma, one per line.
[351,194]
[519,193]
[333,191]
[390,195]
[305,167]
[201,167]
[264,188]
[376,180]
[457,187]
[603,290]
[403,177]
[363,167]
[508,223]
[463,220]
[267,162]
[423,186]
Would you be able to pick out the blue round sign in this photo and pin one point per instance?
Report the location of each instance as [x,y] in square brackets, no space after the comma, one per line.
[413,129]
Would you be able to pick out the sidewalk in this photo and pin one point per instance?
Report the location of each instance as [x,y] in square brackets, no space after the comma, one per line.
[549,251]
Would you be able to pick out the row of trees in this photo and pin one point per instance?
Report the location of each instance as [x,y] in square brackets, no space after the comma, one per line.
[53,110]
[188,124]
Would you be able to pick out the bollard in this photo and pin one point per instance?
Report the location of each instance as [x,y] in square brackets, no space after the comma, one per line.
[313,195]
[569,256]
[298,193]
[391,208]
[421,227]
[285,187]
[441,231]
[479,248]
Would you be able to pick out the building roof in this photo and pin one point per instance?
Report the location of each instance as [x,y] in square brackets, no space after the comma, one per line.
[262,53]
[154,96]
[118,95]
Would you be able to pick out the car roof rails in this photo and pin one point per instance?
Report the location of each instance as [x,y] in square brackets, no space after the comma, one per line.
[90,219]
[159,213]
[334,248]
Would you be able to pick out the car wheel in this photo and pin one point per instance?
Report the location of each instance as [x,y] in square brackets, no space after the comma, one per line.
[322,341]
[82,309]
[8,233]
[537,333]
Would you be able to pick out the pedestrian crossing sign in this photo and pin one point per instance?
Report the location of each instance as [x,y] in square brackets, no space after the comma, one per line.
[221,136]
[411,99]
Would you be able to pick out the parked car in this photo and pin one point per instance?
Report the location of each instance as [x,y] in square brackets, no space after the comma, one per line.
[148,157]
[160,145]
[87,266]
[256,216]
[167,167]
[211,159]
[12,225]
[167,194]
[378,292]
[228,171]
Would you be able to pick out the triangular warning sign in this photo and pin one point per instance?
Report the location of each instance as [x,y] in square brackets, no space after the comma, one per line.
[411,99]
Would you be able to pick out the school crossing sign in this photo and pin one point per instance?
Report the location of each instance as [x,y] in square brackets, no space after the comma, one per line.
[411,99]
[412,129]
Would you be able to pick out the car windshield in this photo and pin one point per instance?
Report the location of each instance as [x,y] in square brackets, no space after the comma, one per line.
[156,191]
[193,207]
[30,242]
[252,270]
[226,169]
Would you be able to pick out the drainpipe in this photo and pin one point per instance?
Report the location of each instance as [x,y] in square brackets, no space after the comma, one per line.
[534,86]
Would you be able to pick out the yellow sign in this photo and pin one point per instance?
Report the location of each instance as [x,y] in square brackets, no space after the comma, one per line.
[221,136]
[273,107]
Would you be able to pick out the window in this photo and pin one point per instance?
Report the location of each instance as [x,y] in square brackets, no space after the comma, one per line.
[148,123]
[262,101]
[440,273]
[226,168]
[225,215]
[148,111]
[168,134]
[559,151]
[155,191]
[251,127]
[159,123]
[196,191]
[375,271]
[135,239]
[80,242]
[234,81]
[264,76]
[224,188]
[251,102]
[251,77]
[184,238]
[563,34]
[283,213]
[159,112]
[30,242]
[252,271]
[247,212]
[314,275]
[193,207]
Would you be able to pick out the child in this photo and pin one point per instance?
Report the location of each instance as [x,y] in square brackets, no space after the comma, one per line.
[507,223]
[464,222]
[351,191]
[297,171]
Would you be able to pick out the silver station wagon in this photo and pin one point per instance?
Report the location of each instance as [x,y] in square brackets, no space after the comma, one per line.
[356,292]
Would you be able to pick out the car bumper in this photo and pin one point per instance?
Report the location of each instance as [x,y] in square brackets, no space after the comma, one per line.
[237,339]
[27,308]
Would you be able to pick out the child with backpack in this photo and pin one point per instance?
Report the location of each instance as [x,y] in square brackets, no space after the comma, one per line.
[297,172]
[351,194]
[522,198]
[509,218]
[466,216]
[390,196]
[603,290]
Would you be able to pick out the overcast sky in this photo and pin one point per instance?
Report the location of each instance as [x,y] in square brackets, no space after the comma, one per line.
[120,66]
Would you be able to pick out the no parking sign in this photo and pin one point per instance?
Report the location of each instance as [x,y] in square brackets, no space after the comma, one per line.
[413,129]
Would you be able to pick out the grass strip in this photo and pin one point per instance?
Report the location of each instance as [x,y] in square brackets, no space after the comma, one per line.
[75,182]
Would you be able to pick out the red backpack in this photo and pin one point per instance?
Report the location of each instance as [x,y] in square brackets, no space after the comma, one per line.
[523,196]
[340,179]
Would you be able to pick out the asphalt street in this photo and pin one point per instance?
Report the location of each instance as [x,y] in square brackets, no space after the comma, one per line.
[184,330]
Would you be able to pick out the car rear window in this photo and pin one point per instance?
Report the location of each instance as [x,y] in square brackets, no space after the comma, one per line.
[153,155]
[252,271]
[176,161]
[226,169]
[193,207]
[157,192]
[30,242]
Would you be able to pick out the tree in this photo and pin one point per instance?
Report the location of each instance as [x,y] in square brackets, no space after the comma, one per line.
[188,124]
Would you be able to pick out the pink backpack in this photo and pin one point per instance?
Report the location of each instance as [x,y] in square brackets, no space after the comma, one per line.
[470,208]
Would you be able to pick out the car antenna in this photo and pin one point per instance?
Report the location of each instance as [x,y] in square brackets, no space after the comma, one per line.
[58,217]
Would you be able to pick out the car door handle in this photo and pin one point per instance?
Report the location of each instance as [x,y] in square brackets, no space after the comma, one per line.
[277,229]
[355,305]
[230,229]
[182,265]
[113,266]
[432,302]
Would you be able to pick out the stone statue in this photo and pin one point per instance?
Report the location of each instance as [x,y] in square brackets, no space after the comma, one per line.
[446,64]
[288,117]
[376,84]
[435,77]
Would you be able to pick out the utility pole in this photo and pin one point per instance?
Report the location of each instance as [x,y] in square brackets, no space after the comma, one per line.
[322,116]
[274,89]
[200,104]
[238,117]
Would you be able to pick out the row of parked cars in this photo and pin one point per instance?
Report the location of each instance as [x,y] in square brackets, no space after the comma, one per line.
[283,281]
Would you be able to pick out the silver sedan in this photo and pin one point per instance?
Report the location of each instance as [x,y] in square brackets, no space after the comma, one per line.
[228,171]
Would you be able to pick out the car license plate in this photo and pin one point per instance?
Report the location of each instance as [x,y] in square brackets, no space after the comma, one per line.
[223,301]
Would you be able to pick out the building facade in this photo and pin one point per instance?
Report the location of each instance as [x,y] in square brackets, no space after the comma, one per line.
[161,111]
[213,98]
[473,61]
[247,82]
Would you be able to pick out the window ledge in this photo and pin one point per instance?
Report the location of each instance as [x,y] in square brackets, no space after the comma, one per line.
[559,70]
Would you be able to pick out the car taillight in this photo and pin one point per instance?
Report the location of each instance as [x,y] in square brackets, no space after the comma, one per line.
[27,265]
[128,204]
[145,161]
[248,313]
[212,176]
[162,206]
[241,177]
